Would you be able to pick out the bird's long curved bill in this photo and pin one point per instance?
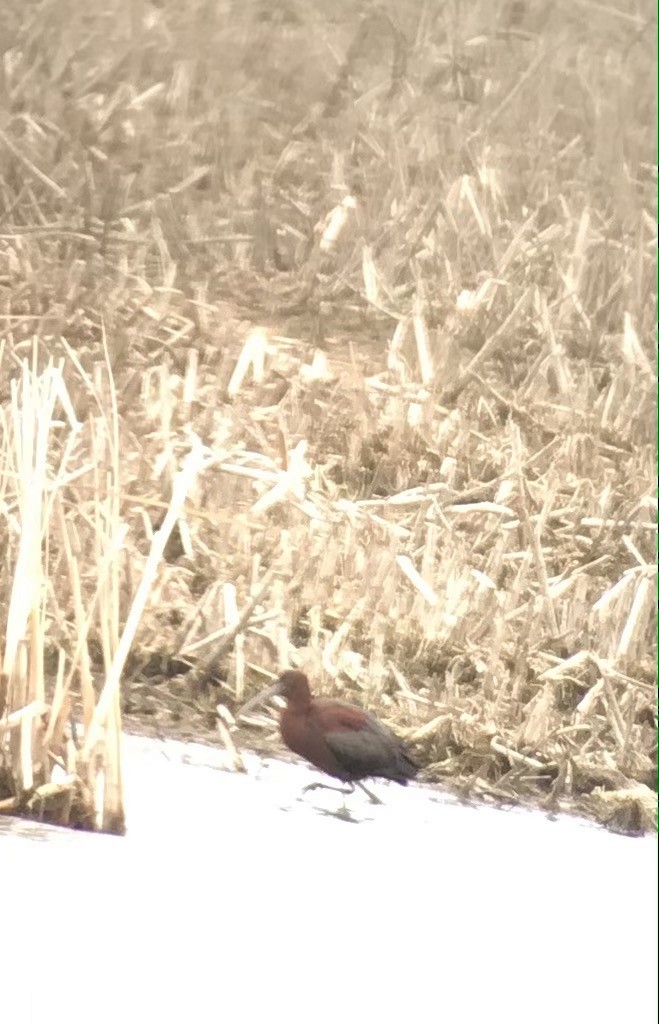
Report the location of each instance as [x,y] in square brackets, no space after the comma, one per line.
[258,700]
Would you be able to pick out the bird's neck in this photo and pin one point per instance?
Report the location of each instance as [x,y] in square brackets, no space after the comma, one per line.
[299,706]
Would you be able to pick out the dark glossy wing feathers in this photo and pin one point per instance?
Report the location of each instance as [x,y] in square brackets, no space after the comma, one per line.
[361,745]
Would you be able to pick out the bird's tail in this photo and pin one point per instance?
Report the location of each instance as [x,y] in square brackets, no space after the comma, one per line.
[407,769]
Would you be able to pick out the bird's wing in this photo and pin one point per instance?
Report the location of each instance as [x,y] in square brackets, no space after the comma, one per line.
[360,744]
[362,752]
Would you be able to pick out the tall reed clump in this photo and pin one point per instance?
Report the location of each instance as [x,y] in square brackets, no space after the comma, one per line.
[63,589]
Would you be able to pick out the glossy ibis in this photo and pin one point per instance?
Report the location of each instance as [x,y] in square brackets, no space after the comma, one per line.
[342,740]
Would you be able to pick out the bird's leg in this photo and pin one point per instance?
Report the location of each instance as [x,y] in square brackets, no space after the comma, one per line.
[371,796]
[323,785]
[344,812]
[344,792]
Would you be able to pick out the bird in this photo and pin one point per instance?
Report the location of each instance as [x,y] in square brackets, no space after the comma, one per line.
[343,740]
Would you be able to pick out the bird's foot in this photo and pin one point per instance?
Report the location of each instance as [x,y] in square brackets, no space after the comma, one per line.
[371,796]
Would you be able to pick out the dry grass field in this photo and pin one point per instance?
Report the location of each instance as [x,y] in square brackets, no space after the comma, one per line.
[326,339]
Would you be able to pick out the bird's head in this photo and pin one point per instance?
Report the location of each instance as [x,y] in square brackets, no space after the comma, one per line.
[292,685]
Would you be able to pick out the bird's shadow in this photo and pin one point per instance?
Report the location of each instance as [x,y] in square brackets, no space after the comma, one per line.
[343,814]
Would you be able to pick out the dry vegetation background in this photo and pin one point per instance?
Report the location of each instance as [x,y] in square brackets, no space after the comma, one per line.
[370,289]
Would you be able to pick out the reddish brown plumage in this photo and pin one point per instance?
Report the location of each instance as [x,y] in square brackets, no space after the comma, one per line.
[342,740]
